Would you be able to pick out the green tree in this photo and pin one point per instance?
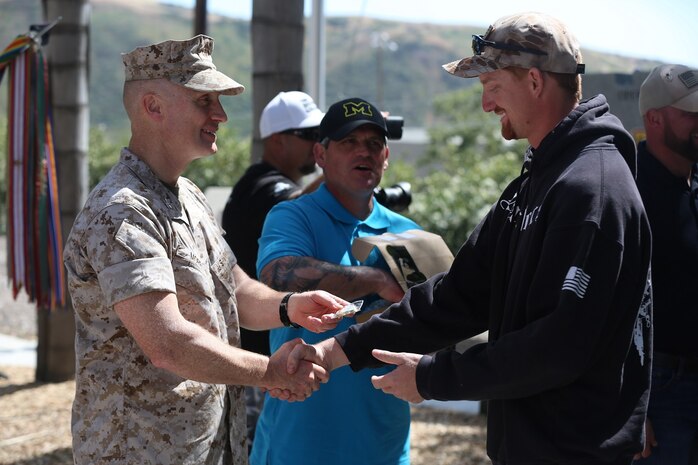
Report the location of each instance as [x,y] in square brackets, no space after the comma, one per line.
[467,166]
[226,166]
[104,153]
[222,169]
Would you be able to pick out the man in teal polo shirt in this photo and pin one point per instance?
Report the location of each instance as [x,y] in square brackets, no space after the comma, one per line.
[306,244]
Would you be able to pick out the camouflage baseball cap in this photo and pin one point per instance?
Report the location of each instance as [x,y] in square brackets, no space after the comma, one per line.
[670,85]
[184,62]
[526,40]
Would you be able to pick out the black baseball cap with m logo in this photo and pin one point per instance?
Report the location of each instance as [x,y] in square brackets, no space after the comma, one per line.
[346,115]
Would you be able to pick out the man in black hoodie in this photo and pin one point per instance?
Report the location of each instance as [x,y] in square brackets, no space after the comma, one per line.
[557,272]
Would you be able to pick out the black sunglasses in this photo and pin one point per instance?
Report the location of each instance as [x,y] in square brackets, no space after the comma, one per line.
[305,133]
[479,43]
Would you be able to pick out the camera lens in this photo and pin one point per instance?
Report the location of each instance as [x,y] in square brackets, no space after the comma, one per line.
[397,197]
[394,125]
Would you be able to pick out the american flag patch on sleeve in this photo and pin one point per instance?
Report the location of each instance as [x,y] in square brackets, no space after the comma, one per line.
[576,281]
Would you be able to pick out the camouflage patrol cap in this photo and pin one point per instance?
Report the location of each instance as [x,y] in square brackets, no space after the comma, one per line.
[184,62]
[526,40]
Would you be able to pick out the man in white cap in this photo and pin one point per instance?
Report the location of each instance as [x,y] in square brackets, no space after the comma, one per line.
[289,127]
[668,182]
[557,271]
[157,293]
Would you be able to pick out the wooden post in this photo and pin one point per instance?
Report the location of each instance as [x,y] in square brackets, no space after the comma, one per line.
[67,54]
[277,55]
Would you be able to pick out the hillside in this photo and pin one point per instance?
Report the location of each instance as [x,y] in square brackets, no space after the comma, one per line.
[411,74]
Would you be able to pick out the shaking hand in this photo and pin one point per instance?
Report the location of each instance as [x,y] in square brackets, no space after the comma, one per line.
[296,386]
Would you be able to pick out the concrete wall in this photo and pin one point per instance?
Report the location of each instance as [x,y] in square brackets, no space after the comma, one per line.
[622,92]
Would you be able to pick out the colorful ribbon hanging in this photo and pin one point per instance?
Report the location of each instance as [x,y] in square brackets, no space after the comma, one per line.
[35,257]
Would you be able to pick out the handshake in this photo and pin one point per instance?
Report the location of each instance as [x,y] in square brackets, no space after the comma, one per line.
[297,369]
[293,374]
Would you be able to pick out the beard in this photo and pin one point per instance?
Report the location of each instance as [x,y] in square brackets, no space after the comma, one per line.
[508,130]
[686,147]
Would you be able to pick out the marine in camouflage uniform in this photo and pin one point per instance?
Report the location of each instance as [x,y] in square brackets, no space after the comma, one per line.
[134,236]
[155,287]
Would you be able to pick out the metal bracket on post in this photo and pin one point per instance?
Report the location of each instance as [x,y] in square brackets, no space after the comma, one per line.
[41,31]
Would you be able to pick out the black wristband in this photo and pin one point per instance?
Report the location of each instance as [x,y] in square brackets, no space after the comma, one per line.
[283,312]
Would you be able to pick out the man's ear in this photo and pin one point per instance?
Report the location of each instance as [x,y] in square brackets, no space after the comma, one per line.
[386,163]
[320,153]
[535,81]
[152,105]
[654,118]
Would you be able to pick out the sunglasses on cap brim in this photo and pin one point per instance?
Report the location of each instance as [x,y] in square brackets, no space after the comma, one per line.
[312,134]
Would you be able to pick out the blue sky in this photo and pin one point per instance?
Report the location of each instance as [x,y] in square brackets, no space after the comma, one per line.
[660,30]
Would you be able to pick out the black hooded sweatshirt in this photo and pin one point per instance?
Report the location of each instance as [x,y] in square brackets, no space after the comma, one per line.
[558,274]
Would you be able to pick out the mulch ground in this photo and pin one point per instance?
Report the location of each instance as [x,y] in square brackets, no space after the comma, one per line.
[35,419]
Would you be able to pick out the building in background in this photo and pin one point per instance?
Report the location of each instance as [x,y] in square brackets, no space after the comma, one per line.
[622,92]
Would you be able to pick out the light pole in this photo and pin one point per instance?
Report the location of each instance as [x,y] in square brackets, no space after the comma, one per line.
[200,20]
[316,63]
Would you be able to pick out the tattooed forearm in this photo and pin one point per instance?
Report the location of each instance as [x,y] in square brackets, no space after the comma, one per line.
[305,273]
